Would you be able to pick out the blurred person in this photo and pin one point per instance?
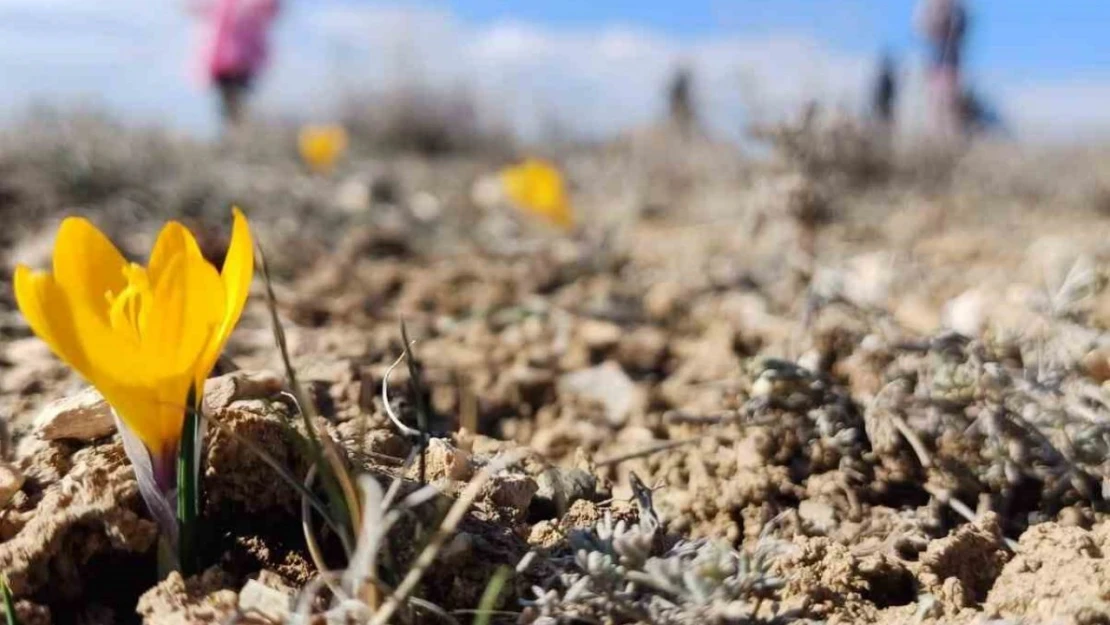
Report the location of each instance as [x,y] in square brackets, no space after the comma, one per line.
[885,94]
[979,116]
[234,49]
[680,100]
[944,24]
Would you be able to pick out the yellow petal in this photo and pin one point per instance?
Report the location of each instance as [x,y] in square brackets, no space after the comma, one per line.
[537,186]
[238,271]
[156,423]
[87,265]
[186,312]
[172,240]
[46,310]
[184,315]
[71,336]
[76,334]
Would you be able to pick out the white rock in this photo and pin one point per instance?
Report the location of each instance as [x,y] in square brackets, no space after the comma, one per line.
[487,192]
[608,384]
[84,417]
[425,206]
[966,313]
[268,602]
[353,196]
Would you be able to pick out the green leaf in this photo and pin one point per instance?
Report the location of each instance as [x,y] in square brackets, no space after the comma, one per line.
[188,491]
[339,512]
[9,602]
[488,603]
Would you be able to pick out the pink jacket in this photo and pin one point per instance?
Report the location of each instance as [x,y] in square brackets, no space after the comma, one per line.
[235,36]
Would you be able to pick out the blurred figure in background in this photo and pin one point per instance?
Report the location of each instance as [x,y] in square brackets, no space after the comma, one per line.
[885,94]
[680,100]
[234,49]
[944,24]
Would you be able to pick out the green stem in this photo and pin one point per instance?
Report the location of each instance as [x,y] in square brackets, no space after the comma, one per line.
[188,489]
[9,603]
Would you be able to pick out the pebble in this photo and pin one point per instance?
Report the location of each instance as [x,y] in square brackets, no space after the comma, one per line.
[11,480]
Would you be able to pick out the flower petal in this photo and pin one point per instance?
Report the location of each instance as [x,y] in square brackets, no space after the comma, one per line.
[85,342]
[158,496]
[87,265]
[74,333]
[172,240]
[46,310]
[187,307]
[238,271]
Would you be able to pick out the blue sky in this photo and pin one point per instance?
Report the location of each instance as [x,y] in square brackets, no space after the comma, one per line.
[598,65]
[1033,37]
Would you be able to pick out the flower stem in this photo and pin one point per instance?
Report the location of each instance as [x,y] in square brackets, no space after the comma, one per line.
[188,487]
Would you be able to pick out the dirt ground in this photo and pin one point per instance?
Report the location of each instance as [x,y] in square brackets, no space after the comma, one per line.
[839,385]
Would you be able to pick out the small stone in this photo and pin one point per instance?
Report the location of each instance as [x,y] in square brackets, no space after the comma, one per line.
[663,300]
[1097,364]
[608,384]
[442,460]
[267,602]
[425,206]
[204,598]
[558,488]
[353,196]
[817,515]
[599,335]
[11,480]
[84,417]
[966,313]
[644,349]
[512,491]
[220,392]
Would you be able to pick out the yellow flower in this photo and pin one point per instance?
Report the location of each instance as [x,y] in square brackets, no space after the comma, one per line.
[141,335]
[321,146]
[537,187]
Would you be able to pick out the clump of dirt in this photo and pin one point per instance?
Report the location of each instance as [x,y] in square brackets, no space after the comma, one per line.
[66,537]
[962,568]
[206,598]
[1058,573]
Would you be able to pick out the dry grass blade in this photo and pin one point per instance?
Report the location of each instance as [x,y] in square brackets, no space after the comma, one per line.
[417,389]
[313,545]
[284,474]
[445,530]
[337,482]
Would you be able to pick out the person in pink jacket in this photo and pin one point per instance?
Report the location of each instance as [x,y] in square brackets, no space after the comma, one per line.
[234,49]
[944,24]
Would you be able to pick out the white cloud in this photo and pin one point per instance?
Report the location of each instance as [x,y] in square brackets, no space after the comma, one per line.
[1059,110]
[133,56]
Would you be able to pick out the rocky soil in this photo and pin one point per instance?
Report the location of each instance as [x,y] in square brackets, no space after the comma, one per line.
[822,388]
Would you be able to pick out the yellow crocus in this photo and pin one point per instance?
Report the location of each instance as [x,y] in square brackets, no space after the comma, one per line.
[321,146]
[537,187]
[143,336]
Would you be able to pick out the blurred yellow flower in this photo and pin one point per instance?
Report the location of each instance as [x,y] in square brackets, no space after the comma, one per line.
[537,187]
[143,336]
[321,146]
